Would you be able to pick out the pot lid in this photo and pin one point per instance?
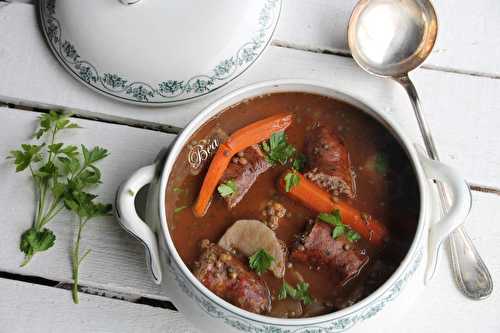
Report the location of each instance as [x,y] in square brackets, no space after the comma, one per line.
[157,52]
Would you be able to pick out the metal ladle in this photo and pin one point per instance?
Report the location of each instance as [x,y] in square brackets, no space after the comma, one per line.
[389,38]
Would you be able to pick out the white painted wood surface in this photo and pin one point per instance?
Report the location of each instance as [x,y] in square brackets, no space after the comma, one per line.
[117,261]
[463,111]
[321,25]
[26,307]
[444,95]
[468,39]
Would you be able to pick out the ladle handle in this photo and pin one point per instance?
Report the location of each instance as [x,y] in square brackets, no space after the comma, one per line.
[471,274]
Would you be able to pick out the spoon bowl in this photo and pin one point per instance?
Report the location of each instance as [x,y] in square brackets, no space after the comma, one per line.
[390,38]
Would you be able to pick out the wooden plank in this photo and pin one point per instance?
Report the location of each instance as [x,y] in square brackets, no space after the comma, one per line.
[464,114]
[441,308]
[441,305]
[26,307]
[31,75]
[117,260]
[321,25]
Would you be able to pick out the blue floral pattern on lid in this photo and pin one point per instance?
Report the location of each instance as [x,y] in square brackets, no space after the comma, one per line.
[169,90]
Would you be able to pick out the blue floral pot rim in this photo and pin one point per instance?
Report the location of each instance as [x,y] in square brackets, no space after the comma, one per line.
[211,305]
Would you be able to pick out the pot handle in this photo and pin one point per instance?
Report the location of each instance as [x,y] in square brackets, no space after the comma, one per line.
[454,216]
[129,219]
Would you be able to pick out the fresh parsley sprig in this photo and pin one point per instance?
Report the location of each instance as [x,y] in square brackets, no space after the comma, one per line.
[83,205]
[260,261]
[299,162]
[381,163]
[300,292]
[227,188]
[62,174]
[339,228]
[278,150]
[43,162]
[291,179]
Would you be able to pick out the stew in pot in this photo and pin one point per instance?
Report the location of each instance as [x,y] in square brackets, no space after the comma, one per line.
[292,205]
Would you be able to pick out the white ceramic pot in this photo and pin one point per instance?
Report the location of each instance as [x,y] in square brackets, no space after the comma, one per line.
[213,314]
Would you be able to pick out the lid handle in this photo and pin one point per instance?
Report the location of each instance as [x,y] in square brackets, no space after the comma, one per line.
[129,2]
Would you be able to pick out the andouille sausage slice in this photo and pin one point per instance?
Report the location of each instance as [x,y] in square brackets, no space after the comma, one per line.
[244,170]
[227,277]
[317,247]
[328,163]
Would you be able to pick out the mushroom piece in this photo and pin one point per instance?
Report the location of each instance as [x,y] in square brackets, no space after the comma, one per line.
[249,236]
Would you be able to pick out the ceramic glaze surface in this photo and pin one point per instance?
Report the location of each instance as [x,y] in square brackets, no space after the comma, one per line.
[158,52]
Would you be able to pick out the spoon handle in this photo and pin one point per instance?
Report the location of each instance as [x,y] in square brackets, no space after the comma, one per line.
[470,272]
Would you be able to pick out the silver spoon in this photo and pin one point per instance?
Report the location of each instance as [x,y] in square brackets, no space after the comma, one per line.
[389,38]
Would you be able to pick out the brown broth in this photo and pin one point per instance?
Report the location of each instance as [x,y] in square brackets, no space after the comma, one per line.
[391,197]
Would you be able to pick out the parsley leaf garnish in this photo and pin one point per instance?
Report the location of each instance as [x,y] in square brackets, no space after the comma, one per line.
[334,218]
[285,291]
[291,179]
[228,188]
[278,150]
[381,163]
[180,209]
[300,293]
[303,293]
[26,155]
[260,261]
[299,162]
[178,190]
[338,231]
[33,241]
[353,235]
[61,178]
[339,228]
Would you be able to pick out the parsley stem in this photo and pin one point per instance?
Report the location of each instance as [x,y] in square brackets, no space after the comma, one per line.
[54,131]
[39,223]
[50,215]
[26,260]
[83,257]
[73,176]
[76,261]
[43,190]
[37,195]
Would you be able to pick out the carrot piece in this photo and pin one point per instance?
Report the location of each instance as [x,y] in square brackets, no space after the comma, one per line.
[215,171]
[315,198]
[241,139]
[258,131]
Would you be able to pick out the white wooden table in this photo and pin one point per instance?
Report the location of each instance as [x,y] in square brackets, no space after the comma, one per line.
[460,90]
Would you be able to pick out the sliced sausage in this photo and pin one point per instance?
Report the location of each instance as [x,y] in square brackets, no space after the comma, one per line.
[317,247]
[328,163]
[244,170]
[227,277]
